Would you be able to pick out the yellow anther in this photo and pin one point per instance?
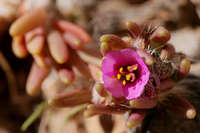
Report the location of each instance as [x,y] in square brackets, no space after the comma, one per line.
[124,82]
[128,77]
[132,68]
[118,76]
[121,69]
[135,68]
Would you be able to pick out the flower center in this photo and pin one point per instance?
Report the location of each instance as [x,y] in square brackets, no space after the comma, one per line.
[127,74]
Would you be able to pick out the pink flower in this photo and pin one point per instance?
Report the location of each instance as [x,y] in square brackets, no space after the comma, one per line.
[124,73]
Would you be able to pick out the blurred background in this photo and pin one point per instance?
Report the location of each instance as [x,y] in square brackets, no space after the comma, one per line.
[97,17]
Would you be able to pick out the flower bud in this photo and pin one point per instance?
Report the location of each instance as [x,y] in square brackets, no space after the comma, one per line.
[184,67]
[128,40]
[111,42]
[149,60]
[167,52]
[135,118]
[159,37]
[105,48]
[164,54]
[133,28]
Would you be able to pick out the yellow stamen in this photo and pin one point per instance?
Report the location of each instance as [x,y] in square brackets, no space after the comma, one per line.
[121,69]
[124,82]
[128,77]
[118,76]
[134,68]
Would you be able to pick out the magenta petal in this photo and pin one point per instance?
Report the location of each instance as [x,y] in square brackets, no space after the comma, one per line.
[113,86]
[108,65]
[134,91]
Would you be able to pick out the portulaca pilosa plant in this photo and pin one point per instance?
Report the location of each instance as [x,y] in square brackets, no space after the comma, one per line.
[137,73]
[58,48]
[134,75]
[53,43]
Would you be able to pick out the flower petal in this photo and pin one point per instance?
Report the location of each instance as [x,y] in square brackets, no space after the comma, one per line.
[133,91]
[113,86]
